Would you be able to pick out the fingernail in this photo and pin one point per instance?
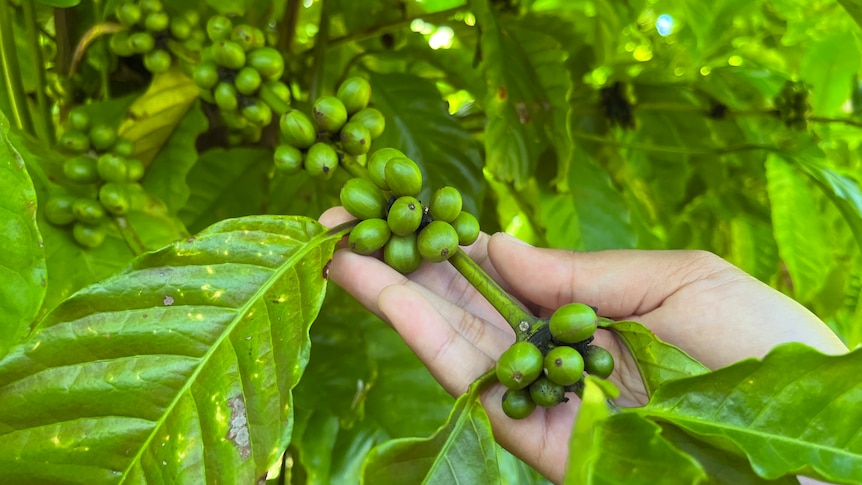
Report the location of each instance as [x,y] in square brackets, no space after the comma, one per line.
[515,240]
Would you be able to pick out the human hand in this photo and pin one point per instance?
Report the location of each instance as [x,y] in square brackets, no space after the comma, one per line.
[692,299]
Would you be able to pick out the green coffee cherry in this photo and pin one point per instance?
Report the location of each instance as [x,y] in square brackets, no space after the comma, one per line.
[243,35]
[102,136]
[58,210]
[438,241]
[112,168]
[79,120]
[157,60]
[564,365]
[517,404]
[546,393]
[598,361]
[297,129]
[219,28]
[87,235]
[247,80]
[321,161]
[135,170]
[258,113]
[88,210]
[81,169]
[354,93]
[206,75]
[467,227]
[329,113]
[355,139]
[123,147]
[519,365]
[446,204]
[225,96]
[372,119]
[369,236]
[288,159]
[377,165]
[362,199]
[120,44]
[228,54]
[573,323]
[74,142]
[405,215]
[157,21]
[234,120]
[141,42]
[279,89]
[401,253]
[252,133]
[268,62]
[114,198]
[149,6]
[403,177]
[128,14]
[181,29]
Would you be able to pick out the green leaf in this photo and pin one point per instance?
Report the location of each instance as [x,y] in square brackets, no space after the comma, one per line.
[722,468]
[854,8]
[225,183]
[514,103]
[22,261]
[844,192]
[178,369]
[829,66]
[60,3]
[796,411]
[418,124]
[657,361]
[630,450]
[148,225]
[753,247]
[594,410]
[154,116]
[166,176]
[797,226]
[461,451]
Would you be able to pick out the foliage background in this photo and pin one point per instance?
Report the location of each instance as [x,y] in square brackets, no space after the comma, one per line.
[507,108]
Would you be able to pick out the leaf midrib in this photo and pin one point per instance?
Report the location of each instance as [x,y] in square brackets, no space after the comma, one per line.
[204,359]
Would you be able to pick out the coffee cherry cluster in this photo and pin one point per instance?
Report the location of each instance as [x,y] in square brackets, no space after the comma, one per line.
[341,123]
[238,72]
[541,378]
[793,105]
[150,30]
[101,160]
[394,220]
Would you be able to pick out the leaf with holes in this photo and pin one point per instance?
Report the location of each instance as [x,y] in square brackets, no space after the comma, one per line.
[461,451]
[657,361]
[179,369]
[797,411]
[22,262]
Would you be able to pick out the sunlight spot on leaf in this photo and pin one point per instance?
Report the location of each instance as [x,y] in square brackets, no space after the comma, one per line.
[210,270]
[735,61]
[442,39]
[642,53]
[705,70]
[664,25]
[56,440]
[217,294]
[37,344]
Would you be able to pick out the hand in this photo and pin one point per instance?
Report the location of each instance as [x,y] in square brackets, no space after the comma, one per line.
[692,299]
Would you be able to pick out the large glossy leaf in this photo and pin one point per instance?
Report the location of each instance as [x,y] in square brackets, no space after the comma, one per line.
[179,369]
[461,451]
[657,361]
[796,411]
[22,261]
[418,124]
[514,103]
[593,411]
[798,227]
[153,117]
[166,176]
[843,191]
[829,66]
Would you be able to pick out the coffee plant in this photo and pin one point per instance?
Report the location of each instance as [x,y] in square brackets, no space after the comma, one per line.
[166,313]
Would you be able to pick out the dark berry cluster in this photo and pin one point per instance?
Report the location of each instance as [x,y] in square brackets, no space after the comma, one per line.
[793,105]
[541,378]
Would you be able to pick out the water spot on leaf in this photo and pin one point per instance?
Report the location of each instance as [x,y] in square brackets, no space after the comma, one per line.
[168,300]
[238,431]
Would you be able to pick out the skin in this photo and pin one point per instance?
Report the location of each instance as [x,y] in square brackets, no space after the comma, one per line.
[693,299]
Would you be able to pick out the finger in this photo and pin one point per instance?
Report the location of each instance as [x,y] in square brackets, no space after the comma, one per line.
[456,350]
[335,216]
[621,283]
